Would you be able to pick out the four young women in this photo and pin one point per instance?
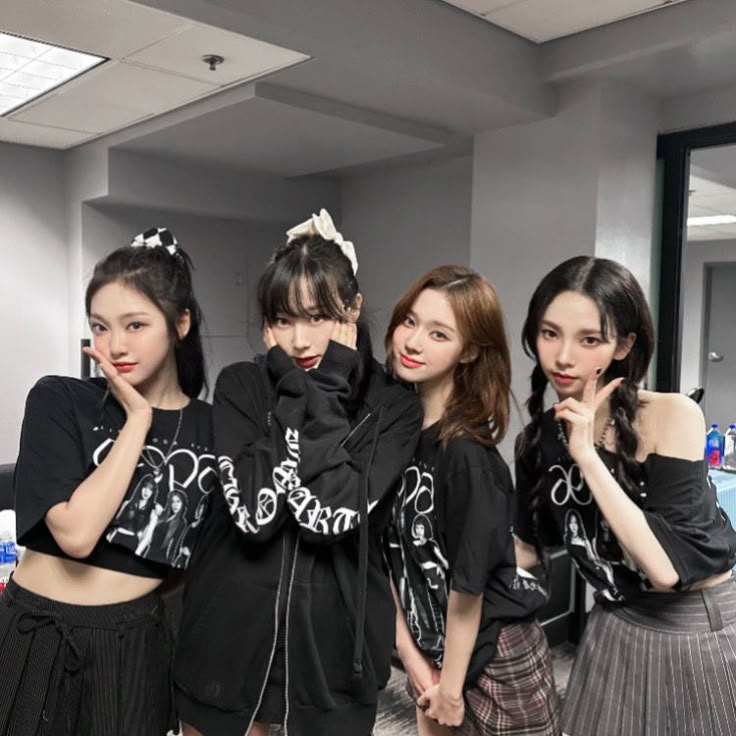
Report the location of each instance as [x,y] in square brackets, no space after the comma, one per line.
[356,506]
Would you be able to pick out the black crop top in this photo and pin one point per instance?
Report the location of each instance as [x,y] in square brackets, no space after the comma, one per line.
[69,427]
[676,496]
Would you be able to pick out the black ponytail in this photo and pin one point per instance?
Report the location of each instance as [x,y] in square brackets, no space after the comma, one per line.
[165,279]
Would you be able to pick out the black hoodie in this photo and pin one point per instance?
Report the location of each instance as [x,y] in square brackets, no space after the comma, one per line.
[309,491]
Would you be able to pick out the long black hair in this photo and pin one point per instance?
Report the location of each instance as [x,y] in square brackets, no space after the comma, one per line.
[166,280]
[328,275]
[623,310]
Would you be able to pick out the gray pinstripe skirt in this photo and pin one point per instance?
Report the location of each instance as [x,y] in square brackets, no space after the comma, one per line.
[662,667]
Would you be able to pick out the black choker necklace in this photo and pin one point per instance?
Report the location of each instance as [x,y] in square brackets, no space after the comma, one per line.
[610,422]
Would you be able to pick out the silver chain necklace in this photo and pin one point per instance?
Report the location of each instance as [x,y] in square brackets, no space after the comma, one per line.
[146,456]
[610,422]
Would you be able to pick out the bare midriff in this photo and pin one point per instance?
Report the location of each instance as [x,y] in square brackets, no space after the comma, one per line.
[69,581]
[711,581]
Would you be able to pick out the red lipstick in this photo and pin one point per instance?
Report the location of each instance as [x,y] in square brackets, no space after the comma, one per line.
[124,367]
[308,362]
[563,379]
[408,362]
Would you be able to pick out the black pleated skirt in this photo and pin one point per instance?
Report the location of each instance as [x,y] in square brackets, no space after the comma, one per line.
[69,670]
[662,667]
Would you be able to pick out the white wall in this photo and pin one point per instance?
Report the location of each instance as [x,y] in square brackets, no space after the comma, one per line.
[697,256]
[404,221]
[33,280]
[228,255]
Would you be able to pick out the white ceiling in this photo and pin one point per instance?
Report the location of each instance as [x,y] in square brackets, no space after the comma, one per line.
[285,134]
[712,191]
[155,66]
[544,20]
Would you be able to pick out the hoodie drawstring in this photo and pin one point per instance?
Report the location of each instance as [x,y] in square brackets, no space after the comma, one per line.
[363,559]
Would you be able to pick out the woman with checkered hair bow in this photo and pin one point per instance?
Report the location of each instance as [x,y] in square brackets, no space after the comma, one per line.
[107,468]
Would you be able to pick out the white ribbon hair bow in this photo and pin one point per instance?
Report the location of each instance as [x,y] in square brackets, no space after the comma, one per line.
[323,226]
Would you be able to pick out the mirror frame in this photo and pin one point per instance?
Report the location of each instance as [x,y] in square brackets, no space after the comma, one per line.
[673,151]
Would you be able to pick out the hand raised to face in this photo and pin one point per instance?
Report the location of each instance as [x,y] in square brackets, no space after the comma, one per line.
[579,416]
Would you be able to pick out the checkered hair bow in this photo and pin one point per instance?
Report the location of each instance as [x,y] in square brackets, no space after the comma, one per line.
[156,237]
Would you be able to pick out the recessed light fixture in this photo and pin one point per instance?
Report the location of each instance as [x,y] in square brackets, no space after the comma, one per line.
[711,220]
[29,69]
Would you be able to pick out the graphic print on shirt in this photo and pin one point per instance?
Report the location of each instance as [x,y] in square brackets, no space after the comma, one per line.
[422,584]
[309,511]
[155,517]
[587,535]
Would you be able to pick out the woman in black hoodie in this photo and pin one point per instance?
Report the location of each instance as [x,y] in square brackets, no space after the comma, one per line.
[288,615]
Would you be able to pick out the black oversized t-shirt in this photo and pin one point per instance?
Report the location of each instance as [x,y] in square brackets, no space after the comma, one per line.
[69,427]
[676,496]
[451,530]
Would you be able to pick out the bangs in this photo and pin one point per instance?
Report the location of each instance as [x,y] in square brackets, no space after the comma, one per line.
[299,287]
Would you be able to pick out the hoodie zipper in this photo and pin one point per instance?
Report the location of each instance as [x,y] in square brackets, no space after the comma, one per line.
[286,638]
[276,614]
[357,427]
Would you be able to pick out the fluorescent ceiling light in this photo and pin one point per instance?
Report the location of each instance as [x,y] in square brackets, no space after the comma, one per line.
[711,220]
[29,69]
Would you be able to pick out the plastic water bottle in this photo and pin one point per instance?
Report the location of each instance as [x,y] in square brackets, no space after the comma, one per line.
[7,558]
[729,449]
[714,447]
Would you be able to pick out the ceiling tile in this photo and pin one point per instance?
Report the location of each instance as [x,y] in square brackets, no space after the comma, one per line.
[706,187]
[116,95]
[95,118]
[244,57]
[699,210]
[111,28]
[481,7]
[39,135]
[543,20]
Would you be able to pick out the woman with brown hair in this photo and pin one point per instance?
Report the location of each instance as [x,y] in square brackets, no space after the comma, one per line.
[465,628]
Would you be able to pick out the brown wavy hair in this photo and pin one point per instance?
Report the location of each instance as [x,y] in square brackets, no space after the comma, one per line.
[479,405]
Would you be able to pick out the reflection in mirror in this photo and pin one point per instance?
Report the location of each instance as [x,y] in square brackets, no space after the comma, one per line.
[708,352]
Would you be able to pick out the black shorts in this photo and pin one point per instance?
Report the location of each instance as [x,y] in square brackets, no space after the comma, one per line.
[84,670]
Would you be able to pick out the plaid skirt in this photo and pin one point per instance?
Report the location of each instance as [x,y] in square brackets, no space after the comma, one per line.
[70,670]
[515,694]
[663,667]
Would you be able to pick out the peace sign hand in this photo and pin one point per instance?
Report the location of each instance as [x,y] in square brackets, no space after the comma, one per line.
[132,402]
[579,417]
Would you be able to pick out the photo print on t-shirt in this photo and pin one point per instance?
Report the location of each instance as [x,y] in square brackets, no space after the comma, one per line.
[166,500]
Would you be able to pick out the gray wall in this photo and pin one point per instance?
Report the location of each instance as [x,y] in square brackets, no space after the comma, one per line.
[33,280]
[404,221]
[581,182]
